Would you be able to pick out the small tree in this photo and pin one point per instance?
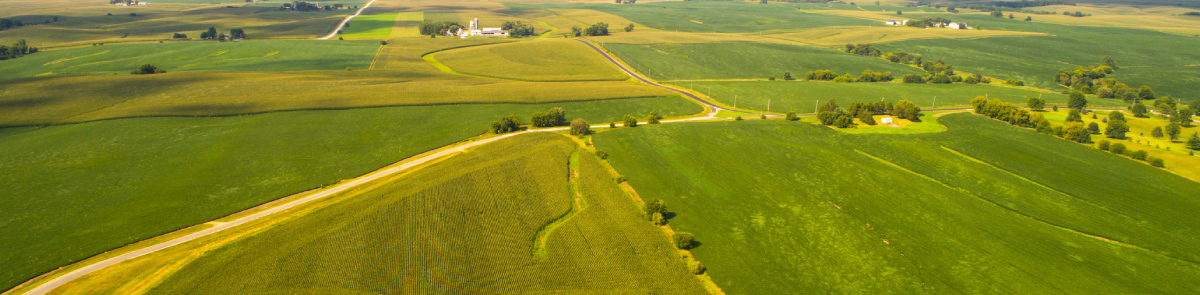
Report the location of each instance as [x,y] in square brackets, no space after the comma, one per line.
[580,127]
[1157,162]
[1145,93]
[653,117]
[655,206]
[1157,132]
[788,76]
[1139,155]
[1103,145]
[601,154]
[695,267]
[1093,128]
[1117,148]
[1036,104]
[1074,116]
[1139,110]
[1054,108]
[1077,101]
[683,240]
[1075,131]
[1172,131]
[791,116]
[629,28]
[147,69]
[658,219]
[1194,141]
[1116,125]
[630,121]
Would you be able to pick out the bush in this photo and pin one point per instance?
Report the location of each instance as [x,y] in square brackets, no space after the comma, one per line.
[844,122]
[1102,145]
[655,206]
[821,75]
[683,240]
[620,179]
[384,42]
[1036,104]
[612,125]
[658,219]
[630,121]
[738,118]
[653,117]
[1093,128]
[148,69]
[1139,155]
[553,117]
[791,116]
[1157,162]
[763,116]
[601,154]
[598,29]
[1117,148]
[506,125]
[913,78]
[696,267]
[580,127]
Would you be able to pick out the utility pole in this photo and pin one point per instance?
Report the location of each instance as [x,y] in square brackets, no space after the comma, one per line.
[735,101]
[768,105]
[934,102]
[816,105]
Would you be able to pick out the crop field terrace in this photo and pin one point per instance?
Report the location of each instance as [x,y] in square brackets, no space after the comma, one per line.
[786,207]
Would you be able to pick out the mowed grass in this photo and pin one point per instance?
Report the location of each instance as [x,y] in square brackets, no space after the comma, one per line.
[538,60]
[1174,153]
[803,96]
[745,60]
[290,55]
[711,16]
[468,225]
[984,207]
[371,26]
[57,100]
[122,181]
[1165,62]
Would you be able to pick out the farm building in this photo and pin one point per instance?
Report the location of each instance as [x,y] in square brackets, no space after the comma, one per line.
[892,22]
[886,120]
[958,26]
[474,30]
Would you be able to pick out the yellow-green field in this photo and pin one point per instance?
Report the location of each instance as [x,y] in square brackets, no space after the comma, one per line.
[860,35]
[373,26]
[541,60]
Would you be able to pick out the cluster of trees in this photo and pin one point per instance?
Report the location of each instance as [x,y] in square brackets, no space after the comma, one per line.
[237,34]
[862,49]
[1074,129]
[148,69]
[598,29]
[1076,14]
[179,36]
[212,34]
[827,75]
[552,118]
[6,24]
[1013,5]
[18,49]
[629,28]
[1091,80]
[518,29]
[306,7]
[506,125]
[656,211]
[831,114]
[1120,149]
[903,58]
[928,21]
[438,28]
[1192,13]
[1176,118]
[579,127]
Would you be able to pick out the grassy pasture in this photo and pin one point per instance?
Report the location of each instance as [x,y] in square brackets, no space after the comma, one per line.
[126,180]
[541,60]
[983,207]
[464,226]
[1139,138]
[1163,61]
[800,96]
[55,100]
[372,26]
[744,60]
[711,16]
[838,36]
[264,55]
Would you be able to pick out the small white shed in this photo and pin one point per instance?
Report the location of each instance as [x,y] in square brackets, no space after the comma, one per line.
[886,120]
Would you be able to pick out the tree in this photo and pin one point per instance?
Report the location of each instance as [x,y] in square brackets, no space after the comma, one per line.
[940,78]
[899,12]
[1194,141]
[913,78]
[630,121]
[1102,145]
[1077,132]
[653,117]
[1077,101]
[212,33]
[179,36]
[1139,110]
[553,117]
[237,34]
[629,28]
[506,125]
[1074,116]
[843,121]
[580,127]
[866,117]
[788,76]
[1172,131]
[1185,116]
[791,116]
[1036,104]
[1117,148]
[1093,128]
[1157,132]
[147,69]
[683,240]
[1108,61]
[1116,126]
[1139,155]
[598,29]
[655,206]
[576,31]
[905,109]
[1105,92]
[1157,162]
[997,14]
[1145,93]
[1028,18]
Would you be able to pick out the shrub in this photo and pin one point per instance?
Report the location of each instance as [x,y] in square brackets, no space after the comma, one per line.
[506,125]
[763,116]
[148,69]
[1036,104]
[1102,145]
[612,125]
[1117,148]
[384,42]
[913,78]
[696,267]
[620,179]
[1157,162]
[655,206]
[821,75]
[738,118]
[1139,155]
[844,122]
[553,117]
[601,154]
[630,121]
[683,240]
[771,78]
[653,117]
[791,116]
[1194,141]
[787,76]
[657,219]
[580,127]
[1093,128]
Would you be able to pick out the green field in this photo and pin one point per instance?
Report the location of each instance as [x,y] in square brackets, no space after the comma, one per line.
[1163,61]
[123,181]
[803,96]
[293,55]
[788,207]
[745,60]
[371,26]
[468,225]
[713,16]
[541,60]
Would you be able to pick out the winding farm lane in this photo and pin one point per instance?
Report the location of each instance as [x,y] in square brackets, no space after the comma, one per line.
[344,21]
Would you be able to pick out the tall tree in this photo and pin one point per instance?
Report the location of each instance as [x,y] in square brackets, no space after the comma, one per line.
[1172,131]
[1116,126]
[1194,141]
[1077,101]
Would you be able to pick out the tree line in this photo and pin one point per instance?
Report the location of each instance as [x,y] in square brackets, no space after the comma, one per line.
[830,114]
[309,7]
[827,75]
[518,29]
[17,49]
[438,28]
[6,24]
[598,29]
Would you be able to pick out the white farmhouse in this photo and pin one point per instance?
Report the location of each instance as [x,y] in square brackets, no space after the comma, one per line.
[957,25]
[892,22]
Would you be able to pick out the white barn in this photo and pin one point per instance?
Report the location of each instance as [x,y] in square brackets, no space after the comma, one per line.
[886,120]
[474,30]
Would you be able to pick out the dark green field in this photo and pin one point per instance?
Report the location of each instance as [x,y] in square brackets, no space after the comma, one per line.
[746,60]
[291,55]
[804,96]
[1163,61]
[713,16]
[789,207]
[123,181]
[468,225]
